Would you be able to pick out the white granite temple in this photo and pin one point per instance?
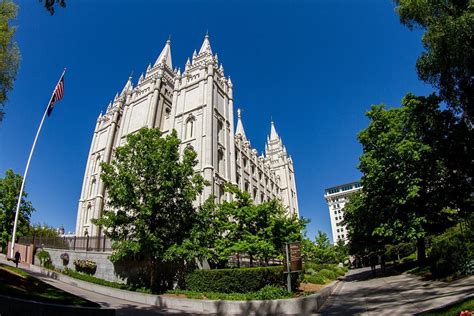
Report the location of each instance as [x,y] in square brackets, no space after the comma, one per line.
[198,103]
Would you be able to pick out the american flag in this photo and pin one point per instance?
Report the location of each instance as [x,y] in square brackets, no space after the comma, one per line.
[57,94]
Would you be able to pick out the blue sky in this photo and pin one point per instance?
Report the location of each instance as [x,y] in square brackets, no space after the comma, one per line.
[314,66]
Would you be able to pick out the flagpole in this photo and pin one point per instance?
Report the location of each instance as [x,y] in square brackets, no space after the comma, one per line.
[28,165]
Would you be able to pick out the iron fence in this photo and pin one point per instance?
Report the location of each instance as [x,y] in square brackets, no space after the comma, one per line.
[99,244]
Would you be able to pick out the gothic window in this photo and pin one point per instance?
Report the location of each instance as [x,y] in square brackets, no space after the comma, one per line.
[245,163]
[254,193]
[221,193]
[246,187]
[220,159]
[261,197]
[190,127]
[87,215]
[220,132]
[92,188]
[97,164]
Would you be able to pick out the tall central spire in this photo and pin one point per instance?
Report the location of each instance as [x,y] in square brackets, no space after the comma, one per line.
[240,126]
[273,132]
[165,56]
[206,46]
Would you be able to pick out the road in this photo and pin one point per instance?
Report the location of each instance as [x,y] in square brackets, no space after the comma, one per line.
[362,294]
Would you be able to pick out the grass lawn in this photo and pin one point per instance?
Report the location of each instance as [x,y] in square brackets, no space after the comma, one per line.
[453,309]
[17,283]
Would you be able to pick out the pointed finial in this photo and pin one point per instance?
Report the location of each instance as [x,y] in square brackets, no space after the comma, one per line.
[148,68]
[195,53]
[179,71]
[188,62]
[141,78]
[169,39]
[230,82]
[207,32]
[239,114]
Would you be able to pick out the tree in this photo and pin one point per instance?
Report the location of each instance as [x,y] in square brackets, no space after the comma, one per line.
[448,60]
[259,231]
[410,184]
[9,53]
[150,195]
[9,191]
[49,5]
[42,230]
[322,251]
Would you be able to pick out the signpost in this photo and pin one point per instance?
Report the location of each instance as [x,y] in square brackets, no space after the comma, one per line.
[292,263]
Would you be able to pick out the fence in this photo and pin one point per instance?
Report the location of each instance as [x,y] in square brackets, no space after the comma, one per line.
[100,244]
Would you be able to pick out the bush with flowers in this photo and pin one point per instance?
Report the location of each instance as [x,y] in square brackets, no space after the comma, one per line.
[85,266]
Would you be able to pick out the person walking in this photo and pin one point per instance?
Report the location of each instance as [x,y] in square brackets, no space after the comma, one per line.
[17,258]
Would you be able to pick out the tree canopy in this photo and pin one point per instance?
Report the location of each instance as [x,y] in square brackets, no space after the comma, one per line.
[417,174]
[9,190]
[9,52]
[448,60]
[150,195]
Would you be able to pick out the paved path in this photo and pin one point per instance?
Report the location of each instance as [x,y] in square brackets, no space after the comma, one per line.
[404,294]
[122,307]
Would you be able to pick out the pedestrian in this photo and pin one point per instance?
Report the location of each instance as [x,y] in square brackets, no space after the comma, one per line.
[17,258]
[373,262]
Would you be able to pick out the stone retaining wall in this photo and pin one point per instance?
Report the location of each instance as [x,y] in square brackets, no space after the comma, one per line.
[105,268]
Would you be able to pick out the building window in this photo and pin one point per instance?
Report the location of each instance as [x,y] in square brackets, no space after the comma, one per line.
[220,158]
[253,169]
[220,132]
[92,188]
[245,163]
[190,128]
[246,186]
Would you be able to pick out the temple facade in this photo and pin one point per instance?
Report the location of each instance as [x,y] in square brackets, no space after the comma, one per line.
[198,103]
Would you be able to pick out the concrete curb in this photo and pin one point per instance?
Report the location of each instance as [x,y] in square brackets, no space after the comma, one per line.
[293,306]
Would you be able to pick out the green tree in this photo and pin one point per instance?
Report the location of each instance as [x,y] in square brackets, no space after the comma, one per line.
[447,62]
[9,190]
[150,195]
[9,53]
[409,179]
[50,4]
[42,230]
[258,231]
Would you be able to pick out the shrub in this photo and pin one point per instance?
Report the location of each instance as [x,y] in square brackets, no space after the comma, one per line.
[328,274]
[268,292]
[315,279]
[451,253]
[241,280]
[65,258]
[44,258]
[85,266]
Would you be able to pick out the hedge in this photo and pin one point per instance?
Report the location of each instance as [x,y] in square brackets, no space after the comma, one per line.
[242,280]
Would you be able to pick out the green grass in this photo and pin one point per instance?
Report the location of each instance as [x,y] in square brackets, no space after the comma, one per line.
[453,309]
[267,293]
[17,283]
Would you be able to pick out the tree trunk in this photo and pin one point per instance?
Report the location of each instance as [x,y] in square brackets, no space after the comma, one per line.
[421,251]
[251,260]
[152,275]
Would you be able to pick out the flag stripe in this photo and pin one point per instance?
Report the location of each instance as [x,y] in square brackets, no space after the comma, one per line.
[58,94]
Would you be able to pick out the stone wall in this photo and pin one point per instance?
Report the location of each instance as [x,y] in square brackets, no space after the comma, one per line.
[105,268]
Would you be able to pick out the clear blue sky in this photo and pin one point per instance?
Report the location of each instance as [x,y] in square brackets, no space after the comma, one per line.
[315,66]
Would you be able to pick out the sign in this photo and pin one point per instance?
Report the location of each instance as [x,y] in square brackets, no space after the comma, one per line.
[293,253]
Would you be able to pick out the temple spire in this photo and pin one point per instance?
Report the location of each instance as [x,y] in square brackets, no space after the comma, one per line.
[240,126]
[165,56]
[128,86]
[273,133]
[206,46]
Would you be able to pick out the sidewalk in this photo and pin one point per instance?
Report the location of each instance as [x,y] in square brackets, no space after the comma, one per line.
[403,294]
[122,307]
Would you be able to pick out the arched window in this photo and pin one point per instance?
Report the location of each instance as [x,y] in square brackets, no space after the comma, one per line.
[88,214]
[97,164]
[190,128]
[92,188]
